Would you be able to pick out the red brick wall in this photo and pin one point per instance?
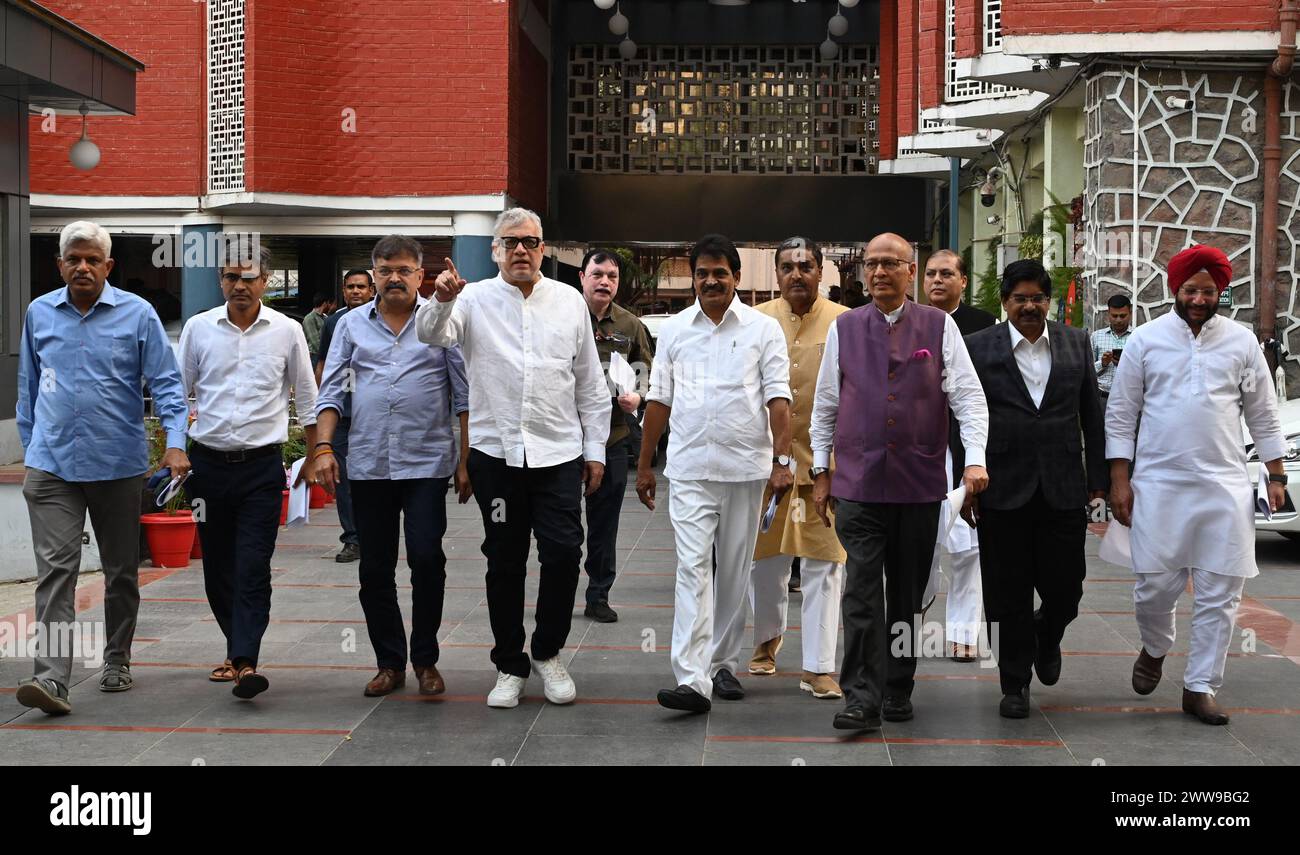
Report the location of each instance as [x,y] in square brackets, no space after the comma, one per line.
[968,21]
[907,66]
[888,93]
[160,151]
[932,52]
[528,134]
[1045,17]
[427,79]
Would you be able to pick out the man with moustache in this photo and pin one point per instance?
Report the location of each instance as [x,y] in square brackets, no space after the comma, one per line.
[617,331]
[1186,381]
[85,351]
[1042,394]
[241,360]
[403,454]
[720,368]
[358,289]
[890,374]
[805,319]
[539,419]
[945,282]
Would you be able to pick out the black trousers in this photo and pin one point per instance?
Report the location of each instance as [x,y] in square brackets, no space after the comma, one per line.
[603,509]
[514,502]
[1027,549]
[889,550]
[238,520]
[380,509]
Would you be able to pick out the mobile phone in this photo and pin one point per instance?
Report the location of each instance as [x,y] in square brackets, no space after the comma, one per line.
[1115,353]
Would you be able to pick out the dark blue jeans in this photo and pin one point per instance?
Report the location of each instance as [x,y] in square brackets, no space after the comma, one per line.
[240,515]
[603,509]
[343,492]
[418,506]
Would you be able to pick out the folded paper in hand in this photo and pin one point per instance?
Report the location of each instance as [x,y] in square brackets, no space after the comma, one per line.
[952,508]
[1261,495]
[299,497]
[1115,546]
[621,374]
[770,513]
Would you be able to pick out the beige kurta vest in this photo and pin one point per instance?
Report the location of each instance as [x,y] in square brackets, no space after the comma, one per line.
[797,530]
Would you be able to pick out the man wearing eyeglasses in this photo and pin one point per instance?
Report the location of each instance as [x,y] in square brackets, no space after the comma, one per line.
[1186,381]
[890,374]
[1041,387]
[539,419]
[241,361]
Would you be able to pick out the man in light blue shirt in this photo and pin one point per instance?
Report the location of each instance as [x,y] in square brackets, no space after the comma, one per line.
[402,454]
[86,349]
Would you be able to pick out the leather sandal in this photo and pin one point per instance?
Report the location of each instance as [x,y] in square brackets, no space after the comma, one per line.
[223,673]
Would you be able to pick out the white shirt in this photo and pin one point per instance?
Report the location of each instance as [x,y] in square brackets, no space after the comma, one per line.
[1034,360]
[960,384]
[537,394]
[718,380]
[1192,499]
[241,379]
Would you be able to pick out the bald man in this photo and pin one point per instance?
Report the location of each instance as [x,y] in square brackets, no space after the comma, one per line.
[890,374]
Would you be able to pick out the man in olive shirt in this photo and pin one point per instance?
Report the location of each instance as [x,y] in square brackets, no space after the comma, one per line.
[617,331]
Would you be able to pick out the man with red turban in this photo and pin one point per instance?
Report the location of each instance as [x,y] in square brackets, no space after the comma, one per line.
[1185,378]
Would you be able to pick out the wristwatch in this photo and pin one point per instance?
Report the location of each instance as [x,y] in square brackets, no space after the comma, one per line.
[783,459]
[1278,479]
[817,470]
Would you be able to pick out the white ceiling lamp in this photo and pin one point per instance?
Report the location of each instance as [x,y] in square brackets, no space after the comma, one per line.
[605,4]
[848,4]
[839,25]
[618,23]
[84,154]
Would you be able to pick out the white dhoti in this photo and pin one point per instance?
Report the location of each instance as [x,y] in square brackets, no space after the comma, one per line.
[965,591]
[821,584]
[709,611]
[1214,613]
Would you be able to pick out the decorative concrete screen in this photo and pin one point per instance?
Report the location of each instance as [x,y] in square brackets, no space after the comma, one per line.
[732,110]
[225,95]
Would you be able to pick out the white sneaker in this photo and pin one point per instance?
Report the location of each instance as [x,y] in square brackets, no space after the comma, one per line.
[505,695]
[558,684]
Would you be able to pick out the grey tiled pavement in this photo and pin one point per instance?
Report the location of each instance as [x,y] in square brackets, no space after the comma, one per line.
[315,712]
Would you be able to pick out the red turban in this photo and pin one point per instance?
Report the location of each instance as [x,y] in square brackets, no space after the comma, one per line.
[1196,258]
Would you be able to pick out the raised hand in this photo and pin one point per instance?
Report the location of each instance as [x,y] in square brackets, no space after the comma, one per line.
[448,284]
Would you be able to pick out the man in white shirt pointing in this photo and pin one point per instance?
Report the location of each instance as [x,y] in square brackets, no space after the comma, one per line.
[539,418]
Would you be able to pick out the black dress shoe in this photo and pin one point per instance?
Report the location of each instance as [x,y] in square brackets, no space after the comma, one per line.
[855,718]
[350,552]
[727,687]
[684,698]
[1015,705]
[1047,659]
[896,709]
[601,613]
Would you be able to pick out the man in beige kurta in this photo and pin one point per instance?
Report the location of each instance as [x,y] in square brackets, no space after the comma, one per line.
[796,531]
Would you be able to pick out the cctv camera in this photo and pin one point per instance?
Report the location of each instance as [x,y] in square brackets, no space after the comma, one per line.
[993,220]
[988,194]
[1175,103]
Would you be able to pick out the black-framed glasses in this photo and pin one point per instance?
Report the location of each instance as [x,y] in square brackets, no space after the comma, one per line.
[889,265]
[404,272]
[1036,299]
[512,243]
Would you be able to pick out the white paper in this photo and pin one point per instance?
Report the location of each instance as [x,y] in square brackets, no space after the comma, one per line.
[770,513]
[1261,495]
[1115,546]
[621,374]
[299,497]
[952,508]
[173,487]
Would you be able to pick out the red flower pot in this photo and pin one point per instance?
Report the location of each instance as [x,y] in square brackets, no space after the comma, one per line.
[318,497]
[171,538]
[284,507]
[197,551]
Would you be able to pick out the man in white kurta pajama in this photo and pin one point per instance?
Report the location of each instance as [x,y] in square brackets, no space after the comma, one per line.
[1186,381]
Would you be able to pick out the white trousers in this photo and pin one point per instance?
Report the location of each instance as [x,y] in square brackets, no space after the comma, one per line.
[965,593]
[821,583]
[1214,614]
[709,612]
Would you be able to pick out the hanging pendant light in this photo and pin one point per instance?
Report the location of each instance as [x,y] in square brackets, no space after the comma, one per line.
[838,26]
[618,23]
[84,154]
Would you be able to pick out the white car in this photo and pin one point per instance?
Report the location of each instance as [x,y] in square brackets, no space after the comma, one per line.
[1285,522]
[653,323]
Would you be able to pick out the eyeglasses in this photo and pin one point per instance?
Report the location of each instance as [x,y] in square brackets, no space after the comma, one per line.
[1036,299]
[1204,293]
[512,243]
[232,278]
[387,272]
[889,265]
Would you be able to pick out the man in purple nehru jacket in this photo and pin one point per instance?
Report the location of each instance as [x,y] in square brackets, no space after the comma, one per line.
[893,368]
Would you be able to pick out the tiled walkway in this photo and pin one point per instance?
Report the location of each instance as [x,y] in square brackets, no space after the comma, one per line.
[317,657]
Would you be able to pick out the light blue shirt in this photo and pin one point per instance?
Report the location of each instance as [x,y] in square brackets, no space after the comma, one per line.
[80,402]
[403,395]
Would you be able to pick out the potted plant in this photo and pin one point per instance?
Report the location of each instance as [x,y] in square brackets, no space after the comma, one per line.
[171,533]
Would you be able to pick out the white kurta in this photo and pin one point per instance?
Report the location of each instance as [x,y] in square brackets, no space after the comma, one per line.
[1192,499]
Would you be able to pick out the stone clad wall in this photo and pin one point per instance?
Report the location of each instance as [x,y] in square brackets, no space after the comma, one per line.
[1199,180]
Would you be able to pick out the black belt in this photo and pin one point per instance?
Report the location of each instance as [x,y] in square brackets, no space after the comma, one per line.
[239,456]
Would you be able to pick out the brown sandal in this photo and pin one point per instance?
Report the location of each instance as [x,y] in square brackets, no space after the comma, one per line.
[223,673]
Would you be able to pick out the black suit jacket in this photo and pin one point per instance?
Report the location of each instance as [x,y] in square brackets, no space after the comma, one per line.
[969,320]
[1039,447]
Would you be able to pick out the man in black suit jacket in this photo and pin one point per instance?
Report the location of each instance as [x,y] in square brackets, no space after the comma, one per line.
[1042,390]
[945,282]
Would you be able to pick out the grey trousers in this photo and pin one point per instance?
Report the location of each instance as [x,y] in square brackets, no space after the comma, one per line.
[57,510]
